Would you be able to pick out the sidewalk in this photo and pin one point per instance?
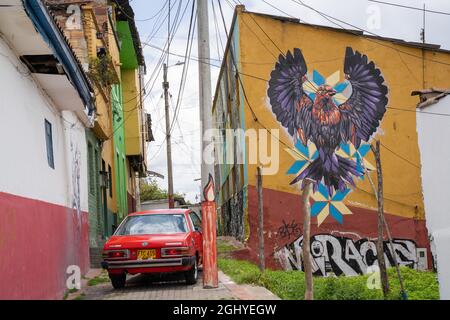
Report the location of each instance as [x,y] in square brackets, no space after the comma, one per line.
[170,287]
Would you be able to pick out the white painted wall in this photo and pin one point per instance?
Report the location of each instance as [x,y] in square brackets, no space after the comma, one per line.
[24,170]
[434,134]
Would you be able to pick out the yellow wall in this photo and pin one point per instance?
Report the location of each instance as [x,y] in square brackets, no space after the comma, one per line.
[103,124]
[132,112]
[324,50]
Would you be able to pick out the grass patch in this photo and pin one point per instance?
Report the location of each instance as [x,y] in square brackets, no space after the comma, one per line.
[290,285]
[224,247]
[240,271]
[102,278]
[80,297]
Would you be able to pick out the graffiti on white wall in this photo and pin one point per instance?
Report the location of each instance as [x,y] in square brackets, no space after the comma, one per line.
[76,176]
[345,256]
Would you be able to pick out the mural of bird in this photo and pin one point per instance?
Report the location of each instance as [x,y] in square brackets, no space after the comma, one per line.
[324,123]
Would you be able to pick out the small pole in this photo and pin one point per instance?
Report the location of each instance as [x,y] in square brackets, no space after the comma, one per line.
[306,248]
[262,265]
[380,247]
[391,245]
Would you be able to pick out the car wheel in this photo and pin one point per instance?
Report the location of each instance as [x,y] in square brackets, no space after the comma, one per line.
[192,275]
[118,281]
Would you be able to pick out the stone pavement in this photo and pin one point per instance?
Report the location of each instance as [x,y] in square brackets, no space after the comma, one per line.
[171,287]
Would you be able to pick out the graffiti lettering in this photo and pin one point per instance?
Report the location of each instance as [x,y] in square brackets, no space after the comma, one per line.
[344,256]
[288,229]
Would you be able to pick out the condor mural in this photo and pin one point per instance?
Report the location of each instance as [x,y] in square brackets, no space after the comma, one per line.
[329,124]
[323,94]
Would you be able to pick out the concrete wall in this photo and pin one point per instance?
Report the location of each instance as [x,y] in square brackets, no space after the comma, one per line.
[43,211]
[433,131]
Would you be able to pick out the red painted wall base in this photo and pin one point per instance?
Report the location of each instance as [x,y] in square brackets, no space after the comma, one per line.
[283,223]
[38,241]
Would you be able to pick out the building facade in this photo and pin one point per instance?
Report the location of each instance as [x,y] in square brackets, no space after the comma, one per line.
[64,186]
[46,107]
[433,121]
[99,42]
[251,132]
[136,123]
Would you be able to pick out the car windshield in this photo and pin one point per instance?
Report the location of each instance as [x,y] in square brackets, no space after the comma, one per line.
[153,224]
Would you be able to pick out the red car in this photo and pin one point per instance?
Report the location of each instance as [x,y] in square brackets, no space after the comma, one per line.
[155,241]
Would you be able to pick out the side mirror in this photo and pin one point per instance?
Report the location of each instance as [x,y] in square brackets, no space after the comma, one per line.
[198,229]
[114,228]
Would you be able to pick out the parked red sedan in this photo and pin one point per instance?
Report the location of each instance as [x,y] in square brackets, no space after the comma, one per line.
[156,241]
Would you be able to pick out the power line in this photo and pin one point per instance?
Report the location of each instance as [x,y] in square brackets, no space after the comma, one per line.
[257,121]
[217,33]
[331,18]
[132,18]
[186,64]
[399,156]
[273,42]
[157,69]
[409,7]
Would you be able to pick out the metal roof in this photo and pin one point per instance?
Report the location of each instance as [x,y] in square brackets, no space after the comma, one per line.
[429,97]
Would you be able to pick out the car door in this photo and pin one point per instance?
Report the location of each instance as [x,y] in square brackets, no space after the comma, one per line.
[198,237]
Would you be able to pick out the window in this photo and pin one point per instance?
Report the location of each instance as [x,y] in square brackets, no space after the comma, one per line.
[196,222]
[153,224]
[49,143]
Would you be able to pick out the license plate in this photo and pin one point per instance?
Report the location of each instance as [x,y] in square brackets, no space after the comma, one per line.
[146,254]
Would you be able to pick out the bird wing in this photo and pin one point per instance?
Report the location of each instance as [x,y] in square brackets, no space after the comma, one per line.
[363,111]
[290,104]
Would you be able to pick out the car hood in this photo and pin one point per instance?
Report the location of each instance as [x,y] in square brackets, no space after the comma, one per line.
[153,240]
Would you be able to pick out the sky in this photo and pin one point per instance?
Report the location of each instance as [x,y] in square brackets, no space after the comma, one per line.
[152,23]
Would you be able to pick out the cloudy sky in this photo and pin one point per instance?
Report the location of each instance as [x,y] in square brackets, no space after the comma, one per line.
[151,18]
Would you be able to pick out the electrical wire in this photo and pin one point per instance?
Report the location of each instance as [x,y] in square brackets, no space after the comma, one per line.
[331,18]
[263,126]
[409,7]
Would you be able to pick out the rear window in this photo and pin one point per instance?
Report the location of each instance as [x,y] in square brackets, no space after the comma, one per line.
[153,224]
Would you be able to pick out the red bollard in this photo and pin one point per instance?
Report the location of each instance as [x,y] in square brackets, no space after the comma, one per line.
[210,274]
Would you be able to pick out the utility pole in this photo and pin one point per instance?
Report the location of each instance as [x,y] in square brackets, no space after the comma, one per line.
[262,262]
[306,247]
[210,273]
[168,139]
[380,246]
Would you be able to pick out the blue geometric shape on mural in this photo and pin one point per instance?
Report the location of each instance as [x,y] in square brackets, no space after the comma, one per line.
[302,149]
[323,191]
[363,149]
[345,147]
[318,78]
[317,207]
[336,214]
[339,196]
[297,166]
[341,86]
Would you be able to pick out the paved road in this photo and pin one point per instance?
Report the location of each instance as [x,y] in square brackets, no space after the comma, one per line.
[168,287]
